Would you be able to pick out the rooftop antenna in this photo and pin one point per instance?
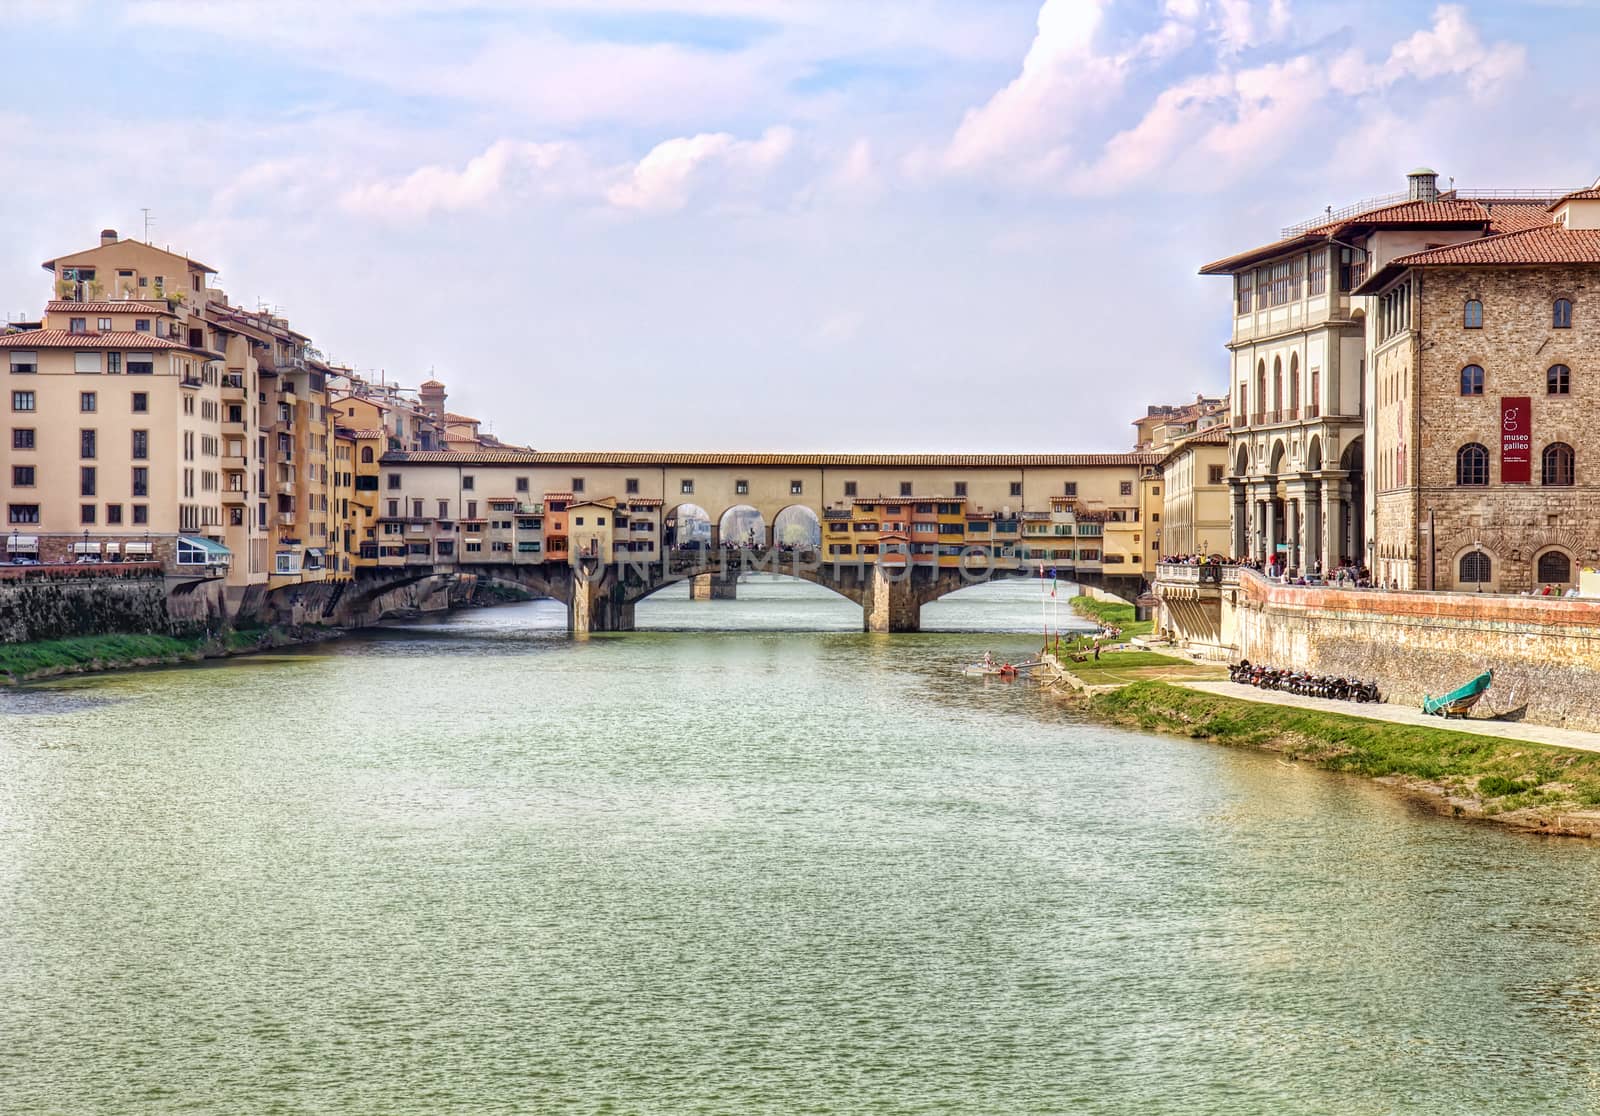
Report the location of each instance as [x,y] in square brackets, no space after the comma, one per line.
[147,222]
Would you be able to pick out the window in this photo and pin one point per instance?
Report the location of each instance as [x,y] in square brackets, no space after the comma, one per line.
[796,488]
[1070,488]
[1214,474]
[1472,315]
[22,438]
[103,325]
[849,488]
[86,481]
[394,481]
[1125,488]
[141,364]
[1555,465]
[686,487]
[444,509]
[1562,319]
[78,325]
[85,513]
[1474,567]
[86,401]
[467,483]
[1554,566]
[141,513]
[1317,272]
[522,484]
[366,455]
[741,488]
[22,363]
[394,509]
[1558,380]
[416,509]
[578,521]
[141,325]
[1242,286]
[22,513]
[472,509]
[22,476]
[86,443]
[632,486]
[1016,488]
[114,514]
[141,486]
[1472,465]
[905,488]
[961,488]
[1472,380]
[22,401]
[577,484]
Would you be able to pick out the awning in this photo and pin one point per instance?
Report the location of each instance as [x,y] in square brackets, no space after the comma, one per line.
[137,548]
[22,544]
[313,552]
[113,548]
[86,548]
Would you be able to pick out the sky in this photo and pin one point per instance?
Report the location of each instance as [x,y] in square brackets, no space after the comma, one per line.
[786,225]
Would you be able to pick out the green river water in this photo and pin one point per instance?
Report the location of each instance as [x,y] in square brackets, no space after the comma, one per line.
[475,866]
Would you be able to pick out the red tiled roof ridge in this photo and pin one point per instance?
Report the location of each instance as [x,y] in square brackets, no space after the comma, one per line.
[813,460]
[1590,194]
[109,306]
[1549,244]
[66,339]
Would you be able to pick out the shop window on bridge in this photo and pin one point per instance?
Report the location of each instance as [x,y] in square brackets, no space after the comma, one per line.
[1472,465]
[1474,568]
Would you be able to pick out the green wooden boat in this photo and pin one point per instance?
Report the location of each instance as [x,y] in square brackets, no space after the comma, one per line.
[1457,702]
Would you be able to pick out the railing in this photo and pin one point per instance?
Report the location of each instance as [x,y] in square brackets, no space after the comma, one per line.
[1211,573]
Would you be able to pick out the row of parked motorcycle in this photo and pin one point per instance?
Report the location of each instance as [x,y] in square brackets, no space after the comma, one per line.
[1303,682]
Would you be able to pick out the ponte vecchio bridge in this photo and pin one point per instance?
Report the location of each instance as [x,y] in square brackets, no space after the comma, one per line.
[602,531]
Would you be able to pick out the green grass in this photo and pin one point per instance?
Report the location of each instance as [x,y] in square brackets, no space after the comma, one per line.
[1117,614]
[1124,667]
[20,659]
[1502,774]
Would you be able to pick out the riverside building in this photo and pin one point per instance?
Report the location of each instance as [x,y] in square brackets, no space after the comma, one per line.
[1300,450]
[1486,385]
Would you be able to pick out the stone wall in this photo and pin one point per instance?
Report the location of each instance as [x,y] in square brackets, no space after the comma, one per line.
[1545,651]
[58,606]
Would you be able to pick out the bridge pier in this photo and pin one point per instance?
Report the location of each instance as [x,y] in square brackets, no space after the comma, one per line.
[714,587]
[891,603]
[598,603]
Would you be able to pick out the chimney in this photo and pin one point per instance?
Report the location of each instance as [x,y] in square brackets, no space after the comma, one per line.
[108,236]
[1424,184]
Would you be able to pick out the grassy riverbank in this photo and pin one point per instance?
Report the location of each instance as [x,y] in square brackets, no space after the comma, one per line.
[1117,614]
[27,662]
[1537,787]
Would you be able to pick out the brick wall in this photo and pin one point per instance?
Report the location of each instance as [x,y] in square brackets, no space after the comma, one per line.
[1544,651]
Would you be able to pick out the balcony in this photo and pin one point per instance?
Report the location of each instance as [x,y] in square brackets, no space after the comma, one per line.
[235,429]
[234,496]
[1313,411]
[285,519]
[284,488]
[232,463]
[1238,421]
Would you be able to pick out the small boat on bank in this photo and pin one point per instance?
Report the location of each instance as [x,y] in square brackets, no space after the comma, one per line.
[1457,702]
[991,670]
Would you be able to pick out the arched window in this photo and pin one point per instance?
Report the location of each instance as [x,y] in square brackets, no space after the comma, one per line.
[1294,386]
[1475,567]
[366,455]
[1558,380]
[1472,316]
[1554,566]
[1277,386]
[1472,380]
[1556,465]
[1562,315]
[1472,465]
[1261,390]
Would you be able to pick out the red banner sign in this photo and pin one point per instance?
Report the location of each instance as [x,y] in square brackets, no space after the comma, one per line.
[1516,439]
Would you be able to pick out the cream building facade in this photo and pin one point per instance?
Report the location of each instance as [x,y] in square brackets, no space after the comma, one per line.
[1196,519]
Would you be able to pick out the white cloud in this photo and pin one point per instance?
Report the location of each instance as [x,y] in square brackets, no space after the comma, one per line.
[841,327]
[1451,47]
[550,169]
[665,179]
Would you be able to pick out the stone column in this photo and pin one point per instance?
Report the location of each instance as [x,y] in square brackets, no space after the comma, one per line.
[1313,526]
[597,603]
[891,603]
[1270,504]
[1241,523]
[1332,523]
[1291,533]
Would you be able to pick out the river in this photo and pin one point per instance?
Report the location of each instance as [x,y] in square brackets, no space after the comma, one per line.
[475,866]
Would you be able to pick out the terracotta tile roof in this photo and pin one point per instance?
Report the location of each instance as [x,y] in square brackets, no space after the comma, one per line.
[432,384]
[449,417]
[116,339]
[125,306]
[1548,245]
[1447,212]
[373,432]
[1591,194]
[793,460]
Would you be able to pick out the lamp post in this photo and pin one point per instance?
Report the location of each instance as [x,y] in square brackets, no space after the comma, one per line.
[85,552]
